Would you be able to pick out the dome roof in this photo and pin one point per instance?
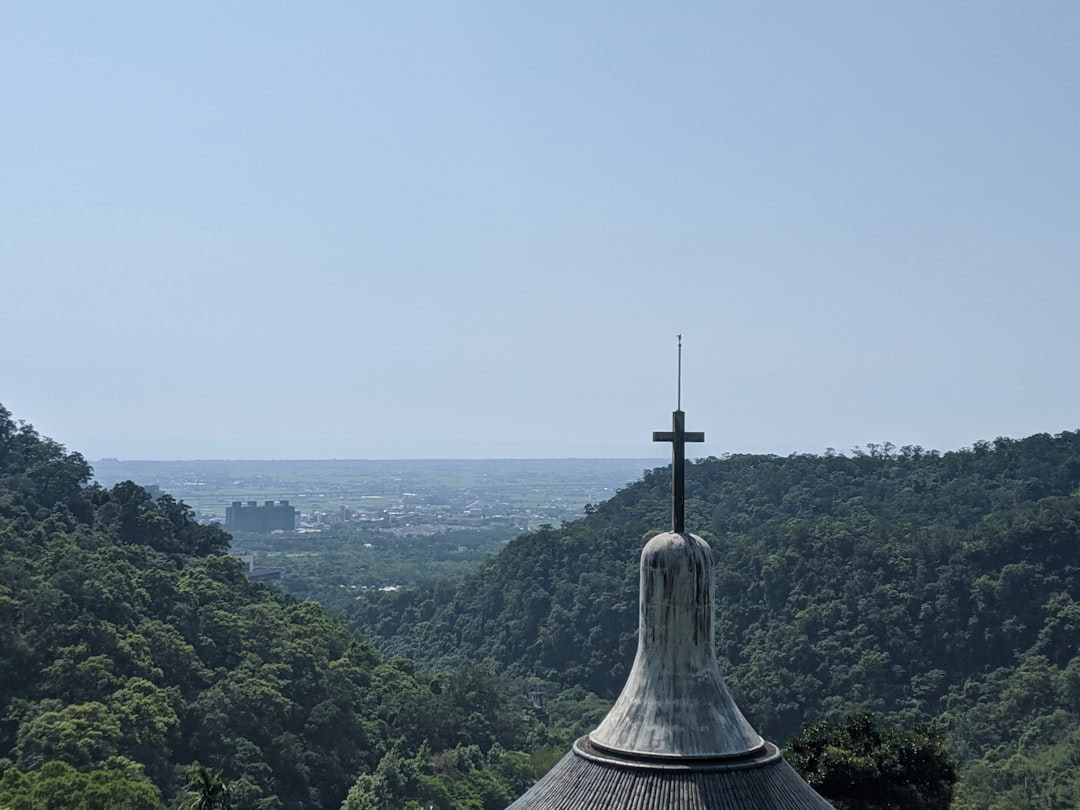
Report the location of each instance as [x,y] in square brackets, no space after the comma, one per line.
[674,738]
[675,702]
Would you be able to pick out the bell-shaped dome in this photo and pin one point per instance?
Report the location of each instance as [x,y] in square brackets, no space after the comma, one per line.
[674,740]
[675,702]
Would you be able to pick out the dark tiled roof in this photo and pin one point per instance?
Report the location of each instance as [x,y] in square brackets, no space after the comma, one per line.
[587,779]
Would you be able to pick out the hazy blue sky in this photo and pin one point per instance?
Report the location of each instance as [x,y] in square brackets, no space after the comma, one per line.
[352,229]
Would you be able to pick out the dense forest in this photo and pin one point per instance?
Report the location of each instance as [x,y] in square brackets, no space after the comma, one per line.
[903,603]
[140,669]
[922,586]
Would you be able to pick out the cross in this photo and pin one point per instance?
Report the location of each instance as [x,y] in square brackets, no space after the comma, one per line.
[678,438]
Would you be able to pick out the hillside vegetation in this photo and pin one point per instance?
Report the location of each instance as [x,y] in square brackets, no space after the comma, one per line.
[140,669]
[923,586]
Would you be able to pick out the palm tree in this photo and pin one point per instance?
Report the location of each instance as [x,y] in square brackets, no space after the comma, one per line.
[208,790]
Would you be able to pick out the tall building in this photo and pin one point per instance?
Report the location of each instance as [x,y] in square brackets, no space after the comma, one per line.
[251,517]
[674,738]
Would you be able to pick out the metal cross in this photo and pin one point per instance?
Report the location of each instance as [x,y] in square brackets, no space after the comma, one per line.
[678,438]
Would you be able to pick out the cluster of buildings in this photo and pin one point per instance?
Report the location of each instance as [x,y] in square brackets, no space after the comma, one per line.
[419,518]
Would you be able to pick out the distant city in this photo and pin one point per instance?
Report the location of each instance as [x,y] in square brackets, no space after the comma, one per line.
[403,497]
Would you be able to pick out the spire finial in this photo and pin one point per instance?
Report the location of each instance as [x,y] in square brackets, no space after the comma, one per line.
[678,438]
[678,398]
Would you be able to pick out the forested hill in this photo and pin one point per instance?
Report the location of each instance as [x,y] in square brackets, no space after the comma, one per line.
[915,583]
[140,669]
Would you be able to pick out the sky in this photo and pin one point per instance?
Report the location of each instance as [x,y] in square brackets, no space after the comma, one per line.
[473,230]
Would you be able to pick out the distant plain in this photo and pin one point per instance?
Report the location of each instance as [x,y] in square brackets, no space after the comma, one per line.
[532,490]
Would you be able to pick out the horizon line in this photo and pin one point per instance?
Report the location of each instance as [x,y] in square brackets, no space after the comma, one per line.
[416,458]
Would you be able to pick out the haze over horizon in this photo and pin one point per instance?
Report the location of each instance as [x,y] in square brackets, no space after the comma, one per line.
[438,231]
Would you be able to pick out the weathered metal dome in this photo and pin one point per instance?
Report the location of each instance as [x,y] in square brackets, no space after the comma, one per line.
[675,703]
[674,738]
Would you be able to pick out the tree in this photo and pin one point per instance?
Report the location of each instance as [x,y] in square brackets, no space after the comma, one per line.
[208,789]
[83,734]
[58,786]
[857,766]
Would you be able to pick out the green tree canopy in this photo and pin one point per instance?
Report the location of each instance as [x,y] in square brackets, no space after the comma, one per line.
[858,766]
